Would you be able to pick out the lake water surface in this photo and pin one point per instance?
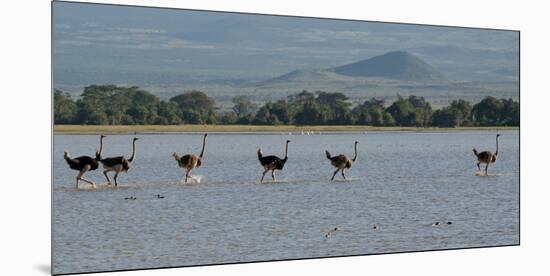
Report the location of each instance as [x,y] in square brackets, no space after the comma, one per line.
[403,182]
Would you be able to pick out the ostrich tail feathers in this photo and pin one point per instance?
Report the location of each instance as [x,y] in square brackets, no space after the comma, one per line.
[475,151]
[260,153]
[328,154]
[69,160]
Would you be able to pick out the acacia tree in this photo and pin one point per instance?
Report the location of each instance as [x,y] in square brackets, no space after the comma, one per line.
[402,111]
[423,111]
[336,107]
[509,114]
[64,108]
[168,114]
[370,112]
[196,107]
[243,106]
[456,114]
[264,116]
[487,112]
[413,111]
[282,110]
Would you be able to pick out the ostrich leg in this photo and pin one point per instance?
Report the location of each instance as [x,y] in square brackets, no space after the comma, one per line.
[343,175]
[263,175]
[478,168]
[335,172]
[187,175]
[486,167]
[88,181]
[273,175]
[81,173]
[116,177]
[107,176]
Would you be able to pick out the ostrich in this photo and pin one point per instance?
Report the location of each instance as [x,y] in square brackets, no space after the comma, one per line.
[272,162]
[118,164]
[341,162]
[486,157]
[84,164]
[190,161]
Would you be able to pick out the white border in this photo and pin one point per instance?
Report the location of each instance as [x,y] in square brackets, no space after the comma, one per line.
[25,153]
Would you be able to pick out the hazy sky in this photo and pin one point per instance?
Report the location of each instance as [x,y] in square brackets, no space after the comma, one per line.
[156,47]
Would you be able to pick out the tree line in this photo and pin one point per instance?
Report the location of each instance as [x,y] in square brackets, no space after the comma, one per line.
[118,105]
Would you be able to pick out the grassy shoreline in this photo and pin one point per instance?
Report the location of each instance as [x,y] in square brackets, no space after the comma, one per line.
[158,129]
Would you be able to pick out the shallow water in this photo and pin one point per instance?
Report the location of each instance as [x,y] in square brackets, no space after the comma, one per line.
[403,182]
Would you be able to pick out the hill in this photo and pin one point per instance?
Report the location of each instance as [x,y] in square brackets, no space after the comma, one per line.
[397,65]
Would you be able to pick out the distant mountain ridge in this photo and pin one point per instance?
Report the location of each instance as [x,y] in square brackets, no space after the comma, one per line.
[394,66]
[399,65]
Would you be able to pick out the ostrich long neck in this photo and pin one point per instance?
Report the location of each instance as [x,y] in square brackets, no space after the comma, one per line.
[496,152]
[286,151]
[100,145]
[203,144]
[355,156]
[133,152]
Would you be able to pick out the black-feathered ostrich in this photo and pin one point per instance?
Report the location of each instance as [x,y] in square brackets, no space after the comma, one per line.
[118,164]
[272,162]
[190,161]
[84,164]
[486,157]
[341,162]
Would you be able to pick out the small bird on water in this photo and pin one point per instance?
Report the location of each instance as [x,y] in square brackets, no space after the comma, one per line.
[329,233]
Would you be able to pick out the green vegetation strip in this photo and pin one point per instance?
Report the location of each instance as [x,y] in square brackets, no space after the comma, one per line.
[125,129]
[116,105]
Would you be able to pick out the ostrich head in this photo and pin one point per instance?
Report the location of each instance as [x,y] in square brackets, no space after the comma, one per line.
[287,141]
[498,134]
[103,136]
[356,142]
[65,154]
[176,156]
[135,138]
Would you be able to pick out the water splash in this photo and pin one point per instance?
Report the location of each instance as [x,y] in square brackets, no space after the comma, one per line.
[348,179]
[270,181]
[193,179]
[482,174]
